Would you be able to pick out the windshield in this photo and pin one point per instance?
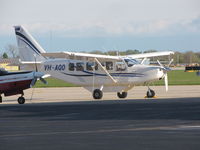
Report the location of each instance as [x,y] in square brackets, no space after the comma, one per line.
[131,62]
[3,71]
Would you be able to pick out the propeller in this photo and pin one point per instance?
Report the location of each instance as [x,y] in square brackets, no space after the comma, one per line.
[43,80]
[166,81]
[165,70]
[37,75]
[33,82]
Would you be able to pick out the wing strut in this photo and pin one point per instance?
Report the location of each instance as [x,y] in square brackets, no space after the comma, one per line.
[104,69]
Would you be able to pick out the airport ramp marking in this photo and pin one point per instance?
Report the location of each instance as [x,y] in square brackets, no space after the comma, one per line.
[182,127]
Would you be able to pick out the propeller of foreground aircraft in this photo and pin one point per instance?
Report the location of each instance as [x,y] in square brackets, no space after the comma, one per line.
[37,75]
[165,70]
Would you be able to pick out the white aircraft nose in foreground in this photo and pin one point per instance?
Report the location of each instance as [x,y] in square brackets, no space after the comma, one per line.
[96,73]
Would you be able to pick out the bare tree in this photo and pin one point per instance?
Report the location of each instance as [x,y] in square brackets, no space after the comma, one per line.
[12,50]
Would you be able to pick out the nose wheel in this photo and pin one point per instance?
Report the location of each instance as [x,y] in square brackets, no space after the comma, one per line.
[150,93]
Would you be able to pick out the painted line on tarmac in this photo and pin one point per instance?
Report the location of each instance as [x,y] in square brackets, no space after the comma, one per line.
[106,131]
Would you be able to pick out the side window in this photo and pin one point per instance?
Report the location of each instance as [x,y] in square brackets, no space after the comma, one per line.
[103,64]
[3,71]
[109,65]
[131,62]
[71,66]
[120,66]
[80,66]
[90,65]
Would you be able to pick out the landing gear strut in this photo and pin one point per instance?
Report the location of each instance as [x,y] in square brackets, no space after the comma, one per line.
[97,94]
[122,95]
[150,93]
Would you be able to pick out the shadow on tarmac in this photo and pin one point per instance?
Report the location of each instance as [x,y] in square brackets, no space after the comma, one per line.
[150,109]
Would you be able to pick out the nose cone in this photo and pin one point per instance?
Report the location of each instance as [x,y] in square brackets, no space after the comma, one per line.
[160,73]
[38,74]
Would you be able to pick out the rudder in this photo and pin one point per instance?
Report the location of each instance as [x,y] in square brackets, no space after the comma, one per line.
[29,49]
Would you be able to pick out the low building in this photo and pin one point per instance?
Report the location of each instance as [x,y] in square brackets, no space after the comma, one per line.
[7,64]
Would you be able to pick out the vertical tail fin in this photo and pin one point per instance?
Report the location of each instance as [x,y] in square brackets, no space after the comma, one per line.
[27,45]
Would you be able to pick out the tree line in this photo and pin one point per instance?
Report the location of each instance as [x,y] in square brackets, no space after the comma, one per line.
[188,57]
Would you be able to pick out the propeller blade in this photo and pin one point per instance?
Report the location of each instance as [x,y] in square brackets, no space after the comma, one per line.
[43,80]
[164,67]
[160,63]
[167,69]
[170,62]
[33,82]
[166,82]
[36,69]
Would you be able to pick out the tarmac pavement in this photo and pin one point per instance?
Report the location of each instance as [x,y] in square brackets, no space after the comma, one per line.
[77,122]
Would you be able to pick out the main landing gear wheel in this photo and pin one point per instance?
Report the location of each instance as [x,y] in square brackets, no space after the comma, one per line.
[97,94]
[150,93]
[122,95]
[21,100]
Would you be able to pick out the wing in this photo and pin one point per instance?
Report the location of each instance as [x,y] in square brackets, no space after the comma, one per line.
[79,56]
[86,56]
[147,55]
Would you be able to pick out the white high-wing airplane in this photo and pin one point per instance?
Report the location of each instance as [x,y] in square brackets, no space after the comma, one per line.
[96,73]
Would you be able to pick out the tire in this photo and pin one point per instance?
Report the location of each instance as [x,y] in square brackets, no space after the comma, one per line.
[97,94]
[21,100]
[150,93]
[0,99]
[122,95]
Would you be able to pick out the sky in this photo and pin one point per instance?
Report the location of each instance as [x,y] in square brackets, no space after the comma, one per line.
[86,25]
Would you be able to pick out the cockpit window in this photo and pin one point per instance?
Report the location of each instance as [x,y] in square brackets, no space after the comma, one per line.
[131,62]
[3,72]
[120,66]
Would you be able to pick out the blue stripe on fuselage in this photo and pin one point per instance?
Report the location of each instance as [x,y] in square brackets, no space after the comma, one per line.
[30,46]
[115,74]
[112,74]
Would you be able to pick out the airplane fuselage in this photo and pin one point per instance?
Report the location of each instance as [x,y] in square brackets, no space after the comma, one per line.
[15,82]
[90,75]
